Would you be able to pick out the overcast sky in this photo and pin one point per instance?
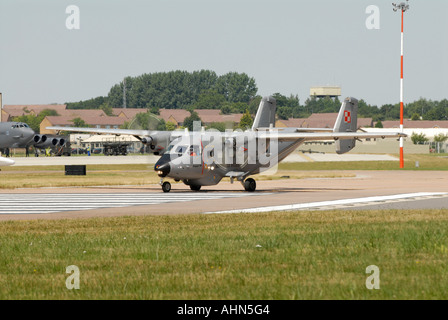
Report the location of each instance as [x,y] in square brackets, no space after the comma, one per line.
[286,45]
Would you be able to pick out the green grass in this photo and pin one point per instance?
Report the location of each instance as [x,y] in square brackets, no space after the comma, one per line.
[294,255]
[426,162]
[143,174]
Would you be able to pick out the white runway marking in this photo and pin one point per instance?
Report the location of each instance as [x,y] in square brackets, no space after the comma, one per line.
[338,204]
[51,203]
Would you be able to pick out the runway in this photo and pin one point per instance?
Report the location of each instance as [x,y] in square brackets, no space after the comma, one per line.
[366,190]
[25,203]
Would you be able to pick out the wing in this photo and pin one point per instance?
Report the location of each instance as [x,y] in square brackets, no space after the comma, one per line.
[157,140]
[140,133]
[313,136]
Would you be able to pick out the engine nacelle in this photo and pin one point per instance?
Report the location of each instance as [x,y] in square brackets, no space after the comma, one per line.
[39,139]
[147,140]
[58,142]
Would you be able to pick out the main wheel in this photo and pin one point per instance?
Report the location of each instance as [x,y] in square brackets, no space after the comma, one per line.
[166,186]
[250,185]
[195,187]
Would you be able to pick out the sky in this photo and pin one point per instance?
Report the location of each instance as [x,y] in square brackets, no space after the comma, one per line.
[287,46]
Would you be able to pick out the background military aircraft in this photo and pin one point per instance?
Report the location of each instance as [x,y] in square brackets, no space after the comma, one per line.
[20,135]
[15,135]
[203,158]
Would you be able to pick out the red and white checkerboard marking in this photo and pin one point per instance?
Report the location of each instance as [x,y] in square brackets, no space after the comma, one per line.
[347,117]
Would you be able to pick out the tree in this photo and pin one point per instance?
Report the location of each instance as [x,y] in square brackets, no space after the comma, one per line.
[390,111]
[440,137]
[254,104]
[246,121]
[378,124]
[107,109]
[236,87]
[147,121]
[170,126]
[419,138]
[415,116]
[93,103]
[220,126]
[210,99]
[189,121]
[78,122]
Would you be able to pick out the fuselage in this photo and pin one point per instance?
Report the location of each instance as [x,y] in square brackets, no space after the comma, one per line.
[15,135]
[205,158]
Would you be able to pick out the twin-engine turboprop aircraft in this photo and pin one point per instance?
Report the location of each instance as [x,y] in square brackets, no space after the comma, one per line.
[203,158]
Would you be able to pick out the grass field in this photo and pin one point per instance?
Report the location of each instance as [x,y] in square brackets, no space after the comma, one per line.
[281,255]
[425,162]
[293,255]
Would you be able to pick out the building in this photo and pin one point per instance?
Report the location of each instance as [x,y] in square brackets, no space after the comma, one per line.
[176,116]
[209,116]
[11,111]
[128,113]
[105,122]
[98,142]
[325,91]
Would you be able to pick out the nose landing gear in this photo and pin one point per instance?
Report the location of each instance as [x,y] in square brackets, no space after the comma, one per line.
[166,186]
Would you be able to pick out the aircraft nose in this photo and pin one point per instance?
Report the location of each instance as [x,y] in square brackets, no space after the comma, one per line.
[29,133]
[163,170]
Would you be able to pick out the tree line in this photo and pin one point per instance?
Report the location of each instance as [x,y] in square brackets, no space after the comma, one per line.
[237,93]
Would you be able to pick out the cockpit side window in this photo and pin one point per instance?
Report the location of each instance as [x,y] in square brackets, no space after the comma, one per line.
[195,150]
[179,149]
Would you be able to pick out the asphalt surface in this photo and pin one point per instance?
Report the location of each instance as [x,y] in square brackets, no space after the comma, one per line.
[364,184]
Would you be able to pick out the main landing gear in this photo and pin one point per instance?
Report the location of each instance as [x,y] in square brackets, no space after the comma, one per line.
[250,185]
[194,187]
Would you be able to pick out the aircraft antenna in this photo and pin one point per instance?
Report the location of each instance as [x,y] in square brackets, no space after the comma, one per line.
[403,7]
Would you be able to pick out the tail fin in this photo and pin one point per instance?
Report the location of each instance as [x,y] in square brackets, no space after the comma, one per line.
[347,121]
[266,113]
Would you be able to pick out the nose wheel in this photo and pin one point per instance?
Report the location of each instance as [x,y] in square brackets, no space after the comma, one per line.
[166,186]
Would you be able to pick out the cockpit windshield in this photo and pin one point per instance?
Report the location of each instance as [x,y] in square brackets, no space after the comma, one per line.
[177,149]
[20,125]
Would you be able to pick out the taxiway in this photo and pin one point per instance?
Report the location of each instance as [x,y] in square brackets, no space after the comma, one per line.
[365,190]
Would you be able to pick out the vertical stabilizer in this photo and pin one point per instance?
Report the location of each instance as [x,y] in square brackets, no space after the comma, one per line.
[347,121]
[265,117]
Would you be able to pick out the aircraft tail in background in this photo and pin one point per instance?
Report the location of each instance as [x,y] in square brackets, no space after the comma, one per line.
[347,121]
[265,117]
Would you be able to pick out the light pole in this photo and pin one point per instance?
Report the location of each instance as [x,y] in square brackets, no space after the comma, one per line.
[403,7]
